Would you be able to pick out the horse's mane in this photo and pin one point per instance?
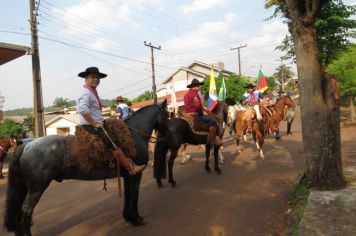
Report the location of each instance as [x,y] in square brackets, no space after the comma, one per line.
[139,111]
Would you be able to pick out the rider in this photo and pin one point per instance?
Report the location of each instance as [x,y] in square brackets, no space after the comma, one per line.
[89,107]
[193,106]
[251,98]
[122,110]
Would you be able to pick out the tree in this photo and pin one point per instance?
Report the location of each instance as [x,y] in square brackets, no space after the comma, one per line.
[234,86]
[272,84]
[29,123]
[284,73]
[60,103]
[319,92]
[345,68]
[334,27]
[147,95]
[8,128]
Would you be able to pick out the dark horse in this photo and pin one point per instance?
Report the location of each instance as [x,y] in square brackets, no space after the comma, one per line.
[181,133]
[5,145]
[36,164]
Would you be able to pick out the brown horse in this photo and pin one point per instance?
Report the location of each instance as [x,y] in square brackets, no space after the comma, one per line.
[5,145]
[246,121]
[273,115]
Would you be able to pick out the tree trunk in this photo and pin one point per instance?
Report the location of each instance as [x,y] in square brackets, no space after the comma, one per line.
[319,110]
[352,109]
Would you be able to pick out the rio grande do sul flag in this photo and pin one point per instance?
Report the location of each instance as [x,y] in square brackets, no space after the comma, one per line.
[213,98]
[261,81]
[222,91]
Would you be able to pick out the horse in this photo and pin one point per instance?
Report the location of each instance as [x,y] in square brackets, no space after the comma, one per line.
[180,133]
[273,115]
[36,164]
[5,145]
[290,118]
[246,121]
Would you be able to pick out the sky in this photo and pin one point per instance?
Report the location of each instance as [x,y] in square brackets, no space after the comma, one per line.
[110,34]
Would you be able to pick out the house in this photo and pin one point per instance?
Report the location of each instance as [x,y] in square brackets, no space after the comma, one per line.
[177,82]
[62,124]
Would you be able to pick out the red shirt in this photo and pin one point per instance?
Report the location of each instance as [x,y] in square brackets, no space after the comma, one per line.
[192,102]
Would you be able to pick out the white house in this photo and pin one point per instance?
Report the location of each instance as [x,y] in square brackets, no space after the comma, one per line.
[62,124]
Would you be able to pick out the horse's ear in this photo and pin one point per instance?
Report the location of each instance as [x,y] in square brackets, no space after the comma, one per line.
[164,104]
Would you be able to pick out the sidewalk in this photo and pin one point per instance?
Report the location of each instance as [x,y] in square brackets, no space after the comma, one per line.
[331,213]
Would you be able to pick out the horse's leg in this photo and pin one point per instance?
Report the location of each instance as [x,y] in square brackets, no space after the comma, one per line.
[32,197]
[130,213]
[216,159]
[231,137]
[172,157]
[1,166]
[289,126]
[183,149]
[207,155]
[258,137]
[221,156]
[238,135]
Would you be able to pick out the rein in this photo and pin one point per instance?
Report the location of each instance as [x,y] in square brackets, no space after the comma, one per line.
[147,135]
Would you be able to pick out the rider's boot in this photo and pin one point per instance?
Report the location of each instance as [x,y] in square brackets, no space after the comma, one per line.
[214,139]
[127,163]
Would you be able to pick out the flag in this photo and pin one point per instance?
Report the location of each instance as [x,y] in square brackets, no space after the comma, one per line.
[261,81]
[213,98]
[222,91]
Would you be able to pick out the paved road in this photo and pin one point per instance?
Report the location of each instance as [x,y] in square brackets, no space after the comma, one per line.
[249,198]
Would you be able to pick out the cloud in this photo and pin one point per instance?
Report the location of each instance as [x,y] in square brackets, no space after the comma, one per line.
[93,16]
[201,5]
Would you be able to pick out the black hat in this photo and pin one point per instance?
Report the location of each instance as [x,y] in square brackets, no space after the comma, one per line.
[195,83]
[120,98]
[92,70]
[250,85]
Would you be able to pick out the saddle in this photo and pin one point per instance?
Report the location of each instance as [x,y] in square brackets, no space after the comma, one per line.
[197,126]
[90,149]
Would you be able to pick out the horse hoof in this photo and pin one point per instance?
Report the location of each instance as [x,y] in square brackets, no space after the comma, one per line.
[278,138]
[208,169]
[222,162]
[173,183]
[218,171]
[138,221]
[159,184]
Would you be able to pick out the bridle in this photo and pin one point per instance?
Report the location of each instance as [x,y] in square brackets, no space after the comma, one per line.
[149,136]
[12,141]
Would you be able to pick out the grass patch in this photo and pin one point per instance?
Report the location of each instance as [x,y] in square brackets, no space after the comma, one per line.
[298,201]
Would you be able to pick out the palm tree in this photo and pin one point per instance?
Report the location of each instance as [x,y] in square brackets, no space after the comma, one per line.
[284,73]
[60,102]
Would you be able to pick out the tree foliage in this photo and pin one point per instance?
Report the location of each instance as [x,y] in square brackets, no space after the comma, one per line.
[284,73]
[335,29]
[234,86]
[147,95]
[60,103]
[9,127]
[272,84]
[344,68]
[29,123]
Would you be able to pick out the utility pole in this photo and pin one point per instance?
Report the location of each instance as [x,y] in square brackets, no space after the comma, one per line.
[153,70]
[238,52]
[36,74]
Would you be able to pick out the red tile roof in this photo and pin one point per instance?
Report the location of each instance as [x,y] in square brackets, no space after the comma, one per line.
[179,95]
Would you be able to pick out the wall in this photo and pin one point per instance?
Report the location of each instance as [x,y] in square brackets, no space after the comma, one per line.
[61,123]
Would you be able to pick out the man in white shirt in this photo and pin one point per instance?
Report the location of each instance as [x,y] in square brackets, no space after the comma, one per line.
[89,107]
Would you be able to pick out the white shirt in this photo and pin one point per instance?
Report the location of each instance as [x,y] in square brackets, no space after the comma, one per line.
[89,104]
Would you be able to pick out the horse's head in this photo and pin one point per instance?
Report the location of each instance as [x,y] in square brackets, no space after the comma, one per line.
[287,101]
[221,110]
[161,121]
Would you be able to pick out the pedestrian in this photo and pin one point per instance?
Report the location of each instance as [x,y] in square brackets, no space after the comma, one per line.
[122,109]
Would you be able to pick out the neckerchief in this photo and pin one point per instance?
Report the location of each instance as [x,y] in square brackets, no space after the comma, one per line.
[93,90]
[252,98]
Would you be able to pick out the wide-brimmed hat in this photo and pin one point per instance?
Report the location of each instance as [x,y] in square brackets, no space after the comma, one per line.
[195,83]
[250,85]
[92,70]
[119,98]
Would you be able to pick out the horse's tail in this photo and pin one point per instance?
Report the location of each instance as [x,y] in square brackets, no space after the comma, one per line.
[160,170]
[16,192]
